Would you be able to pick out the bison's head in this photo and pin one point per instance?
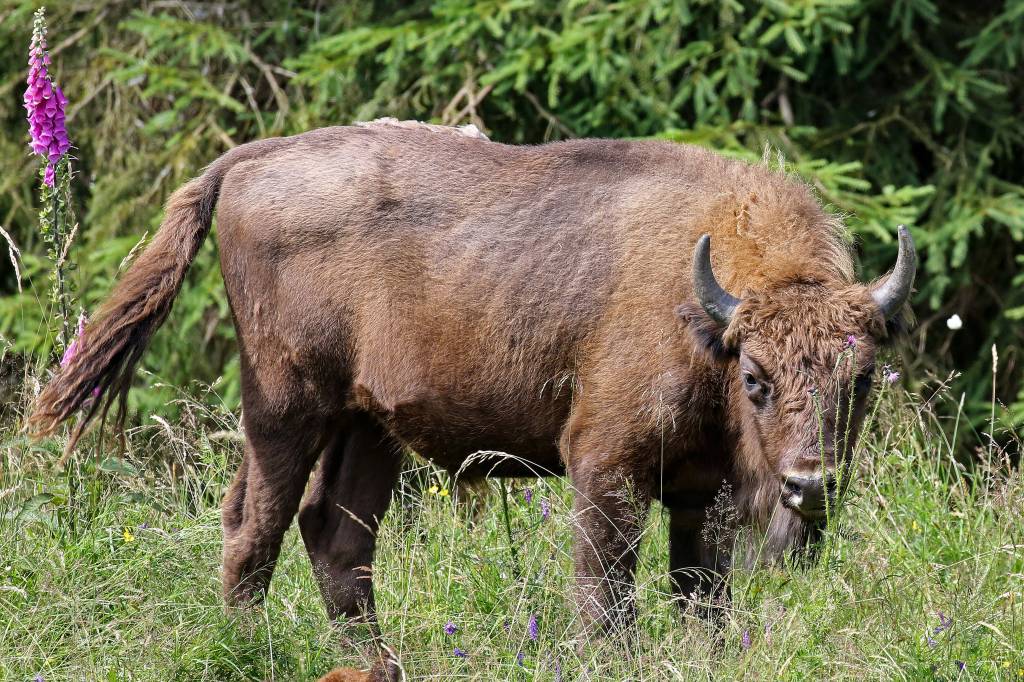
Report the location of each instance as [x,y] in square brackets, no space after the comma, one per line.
[803,361]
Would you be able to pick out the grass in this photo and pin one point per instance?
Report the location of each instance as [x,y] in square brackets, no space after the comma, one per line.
[109,570]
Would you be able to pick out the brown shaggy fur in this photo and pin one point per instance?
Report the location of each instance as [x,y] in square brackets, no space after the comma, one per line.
[396,287]
[387,668]
[347,675]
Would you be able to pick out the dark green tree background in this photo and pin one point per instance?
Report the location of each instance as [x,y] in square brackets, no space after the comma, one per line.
[896,111]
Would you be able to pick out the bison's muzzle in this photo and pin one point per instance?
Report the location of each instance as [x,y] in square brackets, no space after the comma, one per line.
[809,496]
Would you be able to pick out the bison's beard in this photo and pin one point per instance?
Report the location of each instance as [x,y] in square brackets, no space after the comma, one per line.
[790,535]
[777,533]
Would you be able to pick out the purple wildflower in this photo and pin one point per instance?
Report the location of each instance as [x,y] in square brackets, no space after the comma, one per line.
[39,678]
[745,640]
[520,657]
[528,495]
[532,627]
[961,666]
[507,626]
[931,642]
[558,670]
[450,628]
[890,375]
[459,653]
[545,510]
[851,341]
[45,104]
[143,526]
[944,623]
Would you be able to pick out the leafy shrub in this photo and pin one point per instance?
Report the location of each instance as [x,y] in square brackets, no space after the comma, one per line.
[895,112]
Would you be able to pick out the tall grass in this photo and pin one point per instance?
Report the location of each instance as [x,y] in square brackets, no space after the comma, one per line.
[109,570]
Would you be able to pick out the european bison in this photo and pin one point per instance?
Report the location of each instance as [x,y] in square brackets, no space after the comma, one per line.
[395,286]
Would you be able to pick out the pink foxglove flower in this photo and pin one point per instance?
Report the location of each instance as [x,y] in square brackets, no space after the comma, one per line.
[76,345]
[72,350]
[45,104]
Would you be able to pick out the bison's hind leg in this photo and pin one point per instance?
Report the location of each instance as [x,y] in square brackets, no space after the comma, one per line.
[341,514]
[261,502]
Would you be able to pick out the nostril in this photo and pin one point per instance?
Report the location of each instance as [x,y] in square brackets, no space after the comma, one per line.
[810,489]
[808,495]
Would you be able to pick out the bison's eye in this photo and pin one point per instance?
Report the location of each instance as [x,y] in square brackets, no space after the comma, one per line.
[756,390]
[754,378]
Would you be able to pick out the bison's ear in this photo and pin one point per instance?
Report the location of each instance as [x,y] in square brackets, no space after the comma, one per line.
[705,332]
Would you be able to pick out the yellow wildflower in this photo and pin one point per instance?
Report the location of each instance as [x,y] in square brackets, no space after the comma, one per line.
[916,527]
[128,537]
[432,490]
[444,492]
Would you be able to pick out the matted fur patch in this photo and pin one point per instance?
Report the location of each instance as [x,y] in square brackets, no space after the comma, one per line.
[468,130]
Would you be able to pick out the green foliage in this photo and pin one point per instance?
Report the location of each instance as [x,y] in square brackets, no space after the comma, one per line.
[895,112]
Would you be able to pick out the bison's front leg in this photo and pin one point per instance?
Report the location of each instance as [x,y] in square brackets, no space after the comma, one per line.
[611,505]
[699,557]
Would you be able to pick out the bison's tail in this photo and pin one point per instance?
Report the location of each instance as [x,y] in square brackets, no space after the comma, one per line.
[101,368]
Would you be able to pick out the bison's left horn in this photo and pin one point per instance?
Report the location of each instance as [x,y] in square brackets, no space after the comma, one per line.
[716,301]
[891,294]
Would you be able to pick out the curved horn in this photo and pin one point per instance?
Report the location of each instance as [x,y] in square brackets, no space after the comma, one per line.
[715,300]
[891,294]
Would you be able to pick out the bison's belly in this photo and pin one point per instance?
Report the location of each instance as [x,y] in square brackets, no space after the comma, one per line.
[476,433]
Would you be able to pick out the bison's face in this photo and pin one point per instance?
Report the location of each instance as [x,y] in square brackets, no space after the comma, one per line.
[801,361]
[804,364]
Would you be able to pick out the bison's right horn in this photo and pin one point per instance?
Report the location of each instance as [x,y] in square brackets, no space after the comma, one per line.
[893,293]
[716,301]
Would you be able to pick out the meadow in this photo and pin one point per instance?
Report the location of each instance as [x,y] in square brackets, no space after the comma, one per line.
[109,571]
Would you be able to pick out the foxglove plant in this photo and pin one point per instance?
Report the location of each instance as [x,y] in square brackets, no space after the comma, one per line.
[46,104]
